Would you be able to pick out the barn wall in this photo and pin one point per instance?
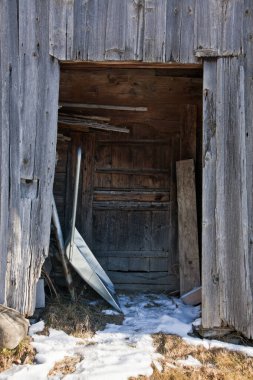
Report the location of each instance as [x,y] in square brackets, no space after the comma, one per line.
[153,31]
[170,31]
[29,78]
[144,30]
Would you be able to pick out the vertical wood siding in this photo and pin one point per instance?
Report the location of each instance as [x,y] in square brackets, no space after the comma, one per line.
[148,30]
[29,104]
[153,31]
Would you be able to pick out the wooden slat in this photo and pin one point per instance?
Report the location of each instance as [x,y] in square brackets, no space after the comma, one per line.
[124,253]
[157,264]
[154,31]
[133,196]
[248,66]
[97,29]
[210,273]
[155,278]
[172,286]
[180,20]
[130,205]
[232,238]
[30,80]
[61,19]
[187,226]
[10,229]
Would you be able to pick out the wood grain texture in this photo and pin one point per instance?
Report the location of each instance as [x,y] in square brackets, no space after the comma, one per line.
[31,119]
[129,211]
[10,226]
[248,91]
[229,280]
[187,227]
[210,269]
[148,30]
[152,31]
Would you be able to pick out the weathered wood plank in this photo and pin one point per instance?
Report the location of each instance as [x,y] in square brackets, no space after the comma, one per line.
[133,196]
[155,278]
[61,27]
[81,29]
[210,270]
[88,145]
[172,286]
[207,24]
[187,226]
[248,67]
[97,30]
[34,210]
[134,30]
[124,253]
[10,228]
[115,30]
[179,42]
[154,31]
[232,196]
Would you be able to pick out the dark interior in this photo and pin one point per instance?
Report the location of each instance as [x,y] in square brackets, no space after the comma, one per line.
[127,207]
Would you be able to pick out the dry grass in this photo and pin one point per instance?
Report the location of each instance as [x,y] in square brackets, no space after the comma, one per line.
[217,364]
[65,366]
[22,354]
[78,319]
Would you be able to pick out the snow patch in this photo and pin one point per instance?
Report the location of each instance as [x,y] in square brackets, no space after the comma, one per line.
[36,327]
[189,362]
[119,351]
[110,312]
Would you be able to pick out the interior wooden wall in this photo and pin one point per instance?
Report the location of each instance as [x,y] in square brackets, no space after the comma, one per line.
[127,206]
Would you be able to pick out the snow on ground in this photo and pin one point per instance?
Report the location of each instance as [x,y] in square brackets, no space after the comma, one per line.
[119,351]
[189,361]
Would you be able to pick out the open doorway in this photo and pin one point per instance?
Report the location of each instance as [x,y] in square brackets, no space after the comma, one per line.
[127,207]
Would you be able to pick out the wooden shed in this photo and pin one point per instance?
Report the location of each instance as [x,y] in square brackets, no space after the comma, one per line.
[178,76]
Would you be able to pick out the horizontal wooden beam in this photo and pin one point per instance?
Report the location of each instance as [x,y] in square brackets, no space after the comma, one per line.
[215,53]
[104,107]
[129,205]
[128,65]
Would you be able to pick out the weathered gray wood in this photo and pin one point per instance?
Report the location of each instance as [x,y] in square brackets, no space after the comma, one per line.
[235,292]
[33,90]
[248,66]
[179,42]
[61,27]
[187,227]
[154,31]
[210,271]
[215,53]
[115,30]
[97,30]
[134,30]
[29,81]
[207,24]
[10,228]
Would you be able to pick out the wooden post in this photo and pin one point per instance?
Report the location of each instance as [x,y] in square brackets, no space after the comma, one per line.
[187,226]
